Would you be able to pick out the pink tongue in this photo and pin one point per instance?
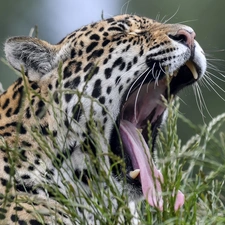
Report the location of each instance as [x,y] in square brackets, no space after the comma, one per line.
[150,177]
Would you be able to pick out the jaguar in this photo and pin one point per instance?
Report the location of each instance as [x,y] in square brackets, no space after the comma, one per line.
[83,110]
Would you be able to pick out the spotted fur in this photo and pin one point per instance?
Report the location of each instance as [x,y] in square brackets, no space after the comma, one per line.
[63,113]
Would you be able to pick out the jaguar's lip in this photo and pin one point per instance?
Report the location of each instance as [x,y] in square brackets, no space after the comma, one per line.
[145,106]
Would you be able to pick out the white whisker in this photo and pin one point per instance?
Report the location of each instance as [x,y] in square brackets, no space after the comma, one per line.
[126,6]
[136,98]
[203,99]
[198,99]
[217,60]
[166,21]
[149,84]
[130,89]
[182,100]
[157,17]
[210,82]
[213,67]
[186,21]
[164,17]
[157,79]
[127,72]
[153,67]
[162,68]
[204,84]
[208,74]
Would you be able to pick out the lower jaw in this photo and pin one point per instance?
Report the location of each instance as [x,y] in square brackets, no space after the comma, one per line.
[136,187]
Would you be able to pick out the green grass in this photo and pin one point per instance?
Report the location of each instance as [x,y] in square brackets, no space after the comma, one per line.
[197,168]
[194,169]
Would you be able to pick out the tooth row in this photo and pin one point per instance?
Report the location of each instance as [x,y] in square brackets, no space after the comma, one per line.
[134,174]
[191,67]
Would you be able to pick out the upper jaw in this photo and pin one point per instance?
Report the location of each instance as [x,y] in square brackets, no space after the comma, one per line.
[145,102]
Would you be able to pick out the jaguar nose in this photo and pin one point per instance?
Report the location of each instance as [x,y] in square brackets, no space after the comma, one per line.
[185,37]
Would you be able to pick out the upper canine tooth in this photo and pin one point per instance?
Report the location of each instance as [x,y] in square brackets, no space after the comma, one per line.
[135,173]
[192,68]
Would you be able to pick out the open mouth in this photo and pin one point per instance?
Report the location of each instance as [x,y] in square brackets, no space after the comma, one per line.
[144,105]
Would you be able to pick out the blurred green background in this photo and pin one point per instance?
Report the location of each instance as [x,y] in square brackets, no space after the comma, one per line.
[56,18]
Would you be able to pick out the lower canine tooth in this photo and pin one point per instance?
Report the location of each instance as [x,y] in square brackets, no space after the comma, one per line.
[135,173]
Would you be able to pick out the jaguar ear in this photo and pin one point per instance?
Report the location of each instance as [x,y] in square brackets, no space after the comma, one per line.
[37,57]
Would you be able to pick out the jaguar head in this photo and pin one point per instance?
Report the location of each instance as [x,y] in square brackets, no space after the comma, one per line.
[126,64]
